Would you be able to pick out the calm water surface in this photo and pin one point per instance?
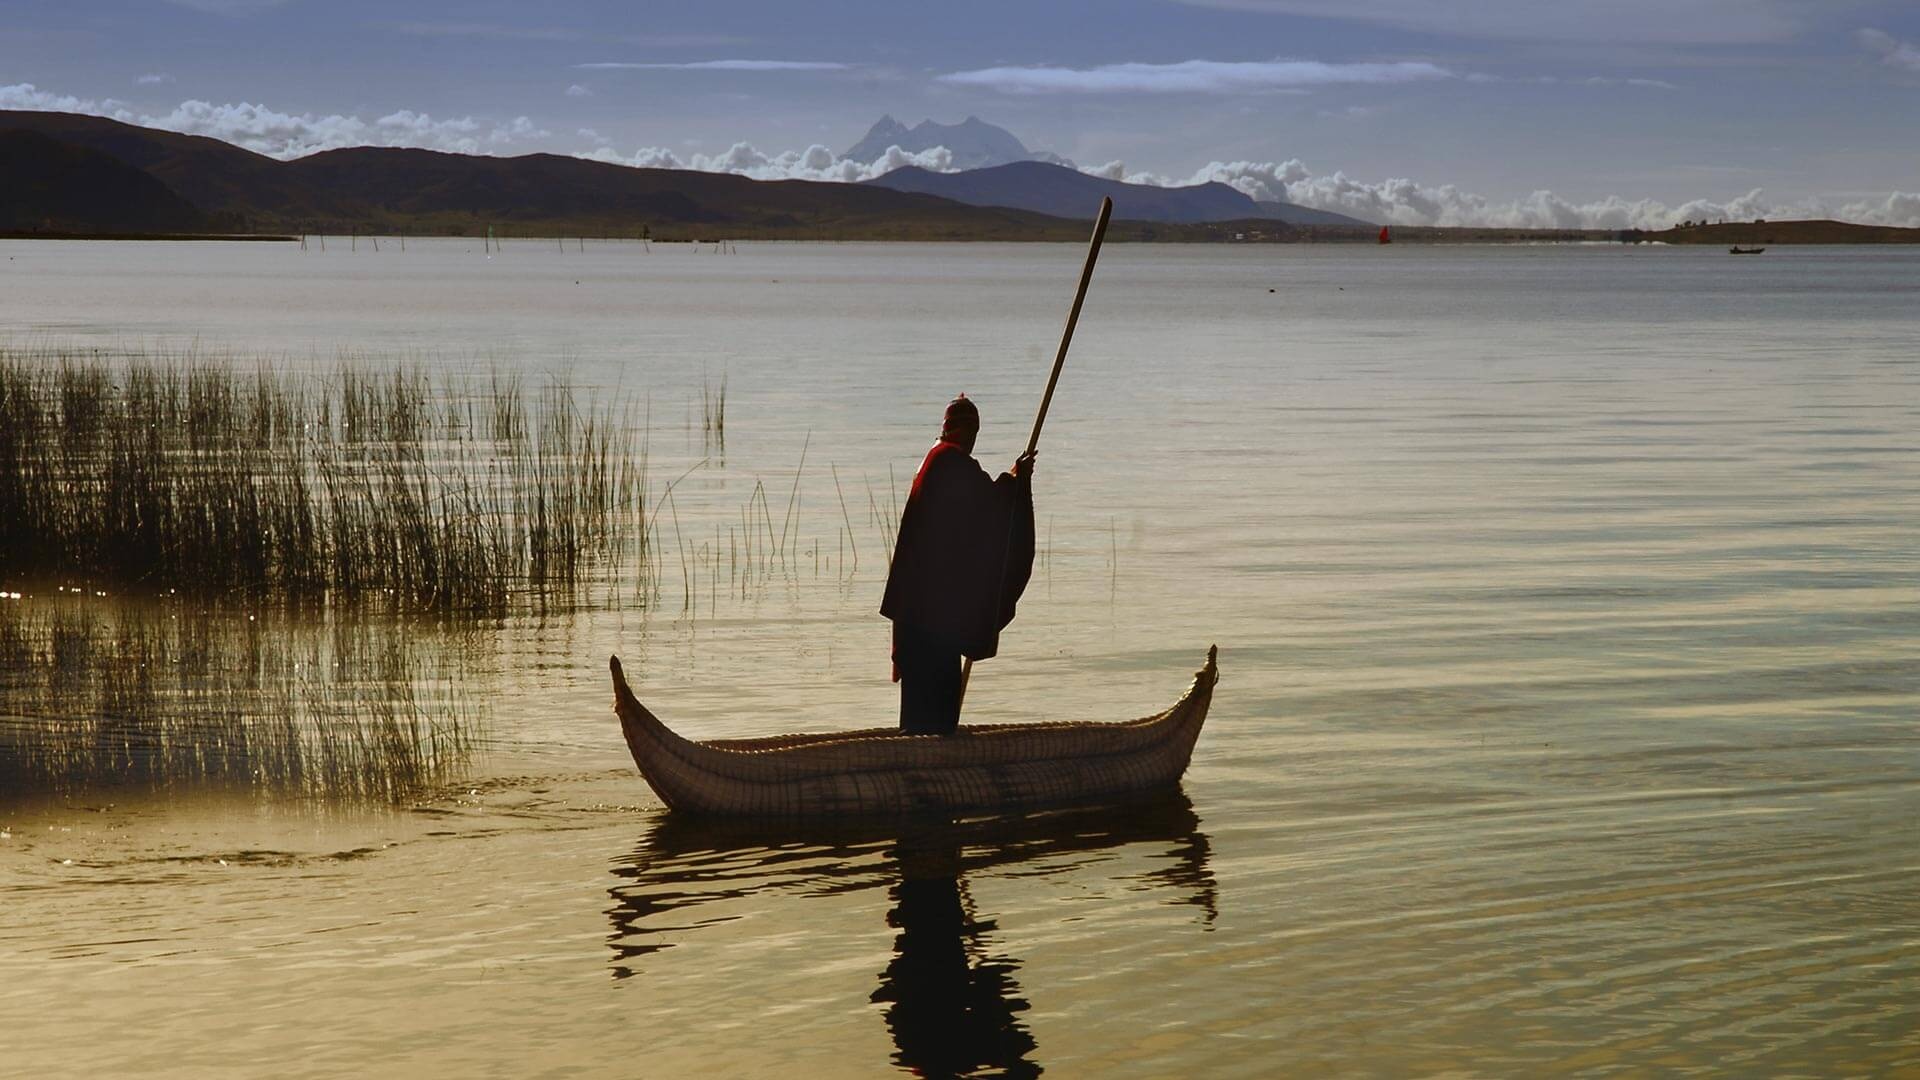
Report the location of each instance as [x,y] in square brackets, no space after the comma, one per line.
[1569,611]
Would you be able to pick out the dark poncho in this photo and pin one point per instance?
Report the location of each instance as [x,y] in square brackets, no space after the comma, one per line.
[964,553]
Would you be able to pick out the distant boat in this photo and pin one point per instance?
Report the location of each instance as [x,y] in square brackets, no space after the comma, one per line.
[1737,250]
[1386,235]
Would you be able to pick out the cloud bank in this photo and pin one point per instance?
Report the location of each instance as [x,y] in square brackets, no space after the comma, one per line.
[290,135]
[30,98]
[1396,201]
[1190,77]
[1409,202]
[816,162]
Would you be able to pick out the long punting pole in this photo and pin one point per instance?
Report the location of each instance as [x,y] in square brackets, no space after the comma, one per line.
[1059,361]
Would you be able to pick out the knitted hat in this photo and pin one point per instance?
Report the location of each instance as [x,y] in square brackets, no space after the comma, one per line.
[961,417]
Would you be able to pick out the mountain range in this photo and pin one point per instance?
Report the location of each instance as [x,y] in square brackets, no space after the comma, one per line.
[974,143]
[997,169]
[1063,192]
[69,173]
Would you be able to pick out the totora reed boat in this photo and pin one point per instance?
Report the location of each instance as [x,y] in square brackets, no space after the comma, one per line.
[982,768]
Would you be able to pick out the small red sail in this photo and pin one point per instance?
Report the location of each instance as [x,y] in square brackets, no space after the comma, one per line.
[1386,235]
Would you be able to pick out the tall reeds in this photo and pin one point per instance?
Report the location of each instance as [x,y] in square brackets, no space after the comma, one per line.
[713,416]
[174,473]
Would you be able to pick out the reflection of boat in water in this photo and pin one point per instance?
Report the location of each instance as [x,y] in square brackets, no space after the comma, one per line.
[689,862]
[1738,250]
[950,991]
[984,768]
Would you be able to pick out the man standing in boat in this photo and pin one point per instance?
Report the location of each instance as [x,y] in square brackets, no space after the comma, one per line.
[963,557]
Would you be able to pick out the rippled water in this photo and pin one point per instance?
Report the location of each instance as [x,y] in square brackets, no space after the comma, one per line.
[1569,611]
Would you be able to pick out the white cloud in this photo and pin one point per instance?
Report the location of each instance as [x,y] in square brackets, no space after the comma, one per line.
[593,136]
[264,130]
[1685,22]
[816,162]
[159,78]
[576,90]
[717,65]
[650,157]
[1900,208]
[1891,50]
[289,135]
[517,129]
[30,98]
[1191,77]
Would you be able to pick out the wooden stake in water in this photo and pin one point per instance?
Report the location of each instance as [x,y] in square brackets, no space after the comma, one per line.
[1059,361]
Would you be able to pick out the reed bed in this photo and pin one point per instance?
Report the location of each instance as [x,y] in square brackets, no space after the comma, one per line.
[100,694]
[174,473]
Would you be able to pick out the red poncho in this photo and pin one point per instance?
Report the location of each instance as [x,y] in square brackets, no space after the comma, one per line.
[964,553]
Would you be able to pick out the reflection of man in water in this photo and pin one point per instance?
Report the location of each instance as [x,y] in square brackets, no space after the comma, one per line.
[950,1015]
[963,557]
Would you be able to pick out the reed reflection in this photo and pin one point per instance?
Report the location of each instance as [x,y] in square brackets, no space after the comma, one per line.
[952,1002]
[99,693]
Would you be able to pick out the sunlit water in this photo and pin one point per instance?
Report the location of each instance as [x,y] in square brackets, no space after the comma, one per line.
[1569,611]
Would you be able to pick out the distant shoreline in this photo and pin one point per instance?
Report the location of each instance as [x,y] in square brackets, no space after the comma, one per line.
[1250,231]
[18,234]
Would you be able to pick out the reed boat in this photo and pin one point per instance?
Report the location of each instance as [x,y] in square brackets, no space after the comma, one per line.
[878,772]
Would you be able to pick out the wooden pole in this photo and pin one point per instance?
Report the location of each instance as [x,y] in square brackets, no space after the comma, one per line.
[1059,361]
[1073,319]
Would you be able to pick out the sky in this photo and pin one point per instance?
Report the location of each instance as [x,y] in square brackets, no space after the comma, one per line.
[1602,113]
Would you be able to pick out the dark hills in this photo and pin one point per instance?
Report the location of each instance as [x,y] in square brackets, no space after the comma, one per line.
[371,189]
[55,186]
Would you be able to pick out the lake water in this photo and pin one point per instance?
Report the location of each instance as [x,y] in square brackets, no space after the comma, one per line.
[1568,604]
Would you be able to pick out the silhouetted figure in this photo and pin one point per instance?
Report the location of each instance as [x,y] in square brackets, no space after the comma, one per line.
[950,1005]
[963,557]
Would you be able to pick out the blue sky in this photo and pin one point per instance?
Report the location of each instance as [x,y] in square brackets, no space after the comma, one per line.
[1442,110]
